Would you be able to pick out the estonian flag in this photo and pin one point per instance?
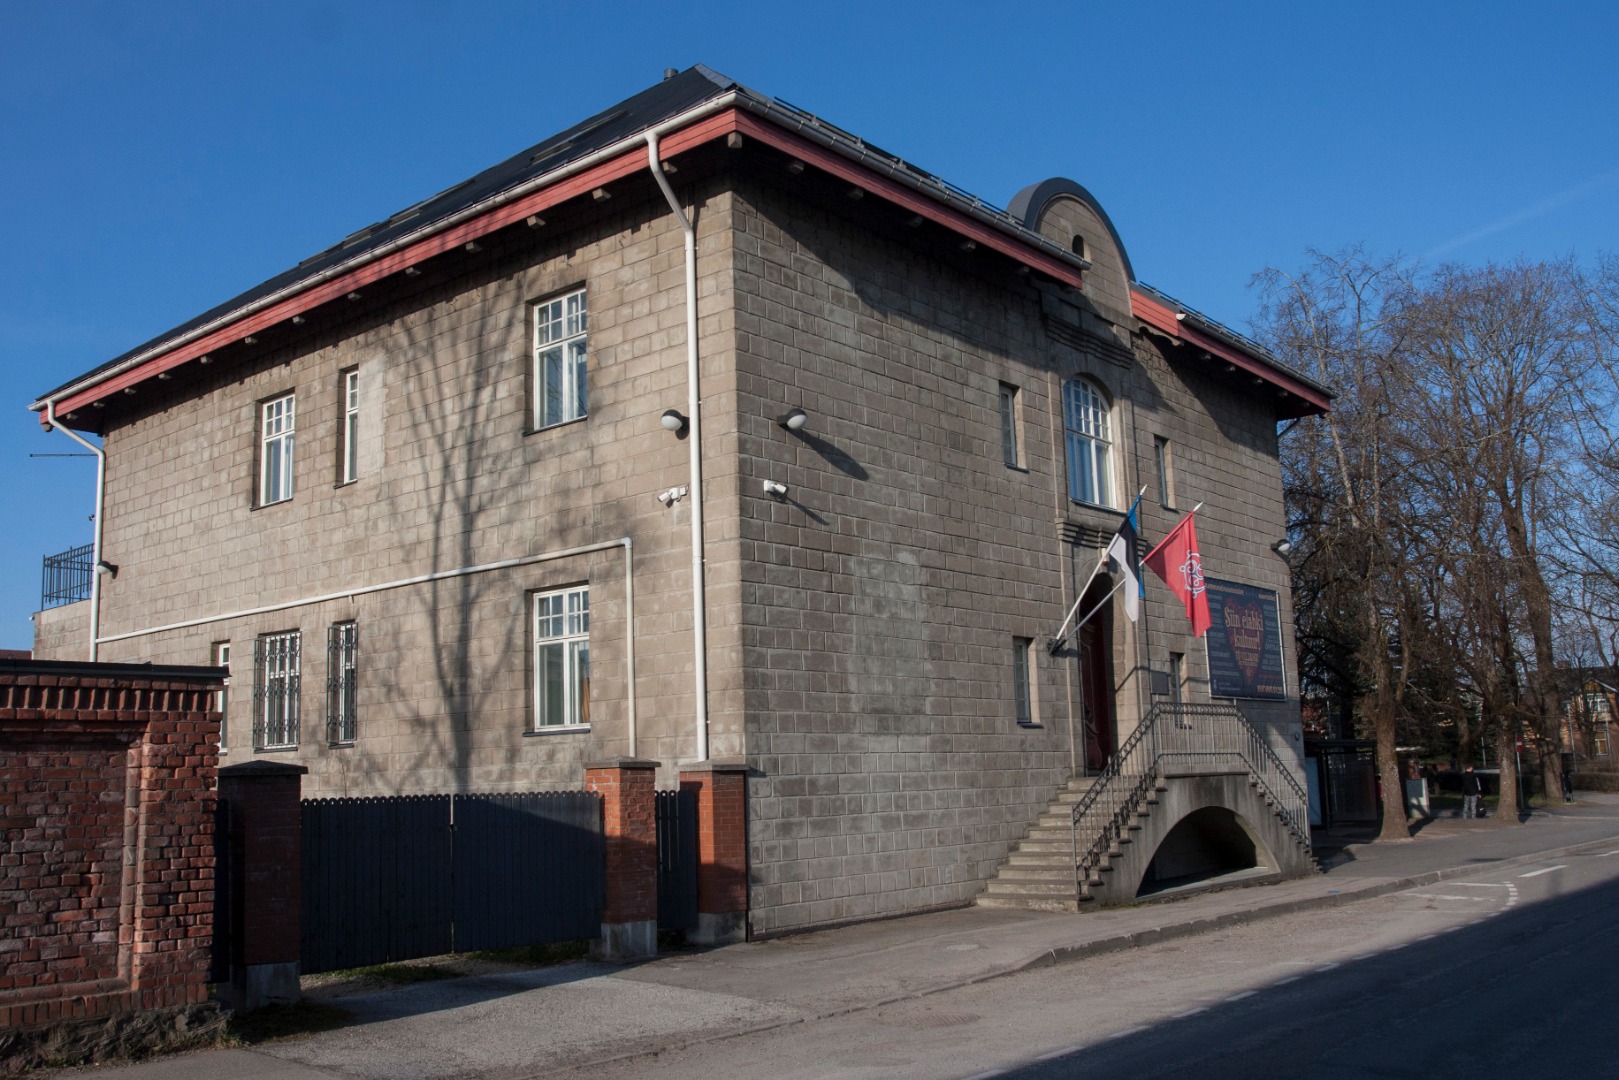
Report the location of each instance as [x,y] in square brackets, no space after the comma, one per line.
[1122,550]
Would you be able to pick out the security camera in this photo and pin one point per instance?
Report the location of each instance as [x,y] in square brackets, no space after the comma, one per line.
[777,489]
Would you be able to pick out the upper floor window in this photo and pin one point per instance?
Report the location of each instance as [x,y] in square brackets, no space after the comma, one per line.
[348,467]
[276,430]
[559,360]
[1009,425]
[1166,472]
[277,680]
[1090,444]
[562,659]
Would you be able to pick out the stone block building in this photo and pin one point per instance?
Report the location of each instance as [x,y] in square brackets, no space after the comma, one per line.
[431,493]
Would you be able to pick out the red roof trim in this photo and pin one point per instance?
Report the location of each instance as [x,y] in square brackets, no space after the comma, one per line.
[699,132]
[1155,314]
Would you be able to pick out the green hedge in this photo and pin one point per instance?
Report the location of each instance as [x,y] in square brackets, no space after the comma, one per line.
[1596,781]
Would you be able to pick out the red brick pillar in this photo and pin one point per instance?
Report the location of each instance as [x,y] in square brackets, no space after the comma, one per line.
[630,830]
[722,850]
[266,880]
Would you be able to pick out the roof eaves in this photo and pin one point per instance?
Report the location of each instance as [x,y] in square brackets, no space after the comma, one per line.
[1234,339]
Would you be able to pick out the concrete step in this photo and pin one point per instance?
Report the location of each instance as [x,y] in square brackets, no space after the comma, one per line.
[1057,889]
[1043,874]
[1041,859]
[1030,903]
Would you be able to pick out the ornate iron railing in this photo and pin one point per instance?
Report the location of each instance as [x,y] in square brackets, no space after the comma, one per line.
[1179,739]
[67,577]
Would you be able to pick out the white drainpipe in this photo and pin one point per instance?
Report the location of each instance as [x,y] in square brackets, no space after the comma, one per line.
[695,439]
[95,552]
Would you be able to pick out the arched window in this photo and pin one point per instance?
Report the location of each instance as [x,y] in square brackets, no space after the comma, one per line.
[1090,444]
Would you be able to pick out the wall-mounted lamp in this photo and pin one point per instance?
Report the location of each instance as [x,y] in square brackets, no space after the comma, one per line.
[107,568]
[674,420]
[793,420]
[1282,547]
[779,490]
[672,496]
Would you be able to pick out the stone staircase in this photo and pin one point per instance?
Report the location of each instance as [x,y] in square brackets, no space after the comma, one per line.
[1039,874]
[1181,759]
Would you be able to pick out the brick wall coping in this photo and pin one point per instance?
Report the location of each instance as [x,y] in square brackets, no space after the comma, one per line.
[714,766]
[623,763]
[250,769]
[79,669]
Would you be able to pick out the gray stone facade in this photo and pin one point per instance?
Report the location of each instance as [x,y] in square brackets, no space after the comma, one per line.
[861,629]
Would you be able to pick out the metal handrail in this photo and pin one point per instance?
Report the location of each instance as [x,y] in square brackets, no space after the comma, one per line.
[66,577]
[1190,737]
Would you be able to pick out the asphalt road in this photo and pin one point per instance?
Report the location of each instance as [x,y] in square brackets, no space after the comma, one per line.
[1506,973]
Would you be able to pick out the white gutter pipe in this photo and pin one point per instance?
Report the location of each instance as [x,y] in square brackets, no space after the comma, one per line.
[101,496]
[699,593]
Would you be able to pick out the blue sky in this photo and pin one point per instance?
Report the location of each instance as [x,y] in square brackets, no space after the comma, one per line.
[156,159]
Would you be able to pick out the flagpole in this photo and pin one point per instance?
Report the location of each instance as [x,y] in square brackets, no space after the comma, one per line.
[1079,598]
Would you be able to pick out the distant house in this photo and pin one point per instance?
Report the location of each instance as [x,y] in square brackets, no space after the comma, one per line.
[1589,708]
[432,495]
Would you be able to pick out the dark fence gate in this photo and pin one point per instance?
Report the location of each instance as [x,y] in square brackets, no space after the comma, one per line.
[677,860]
[395,878]
[225,920]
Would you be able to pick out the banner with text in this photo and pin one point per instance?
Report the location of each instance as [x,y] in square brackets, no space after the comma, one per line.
[1244,642]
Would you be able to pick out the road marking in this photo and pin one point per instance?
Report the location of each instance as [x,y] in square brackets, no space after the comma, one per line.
[1289,979]
[1480,885]
[986,1075]
[1244,994]
[1450,896]
[1190,1013]
[1547,870]
[1326,967]
[1047,1056]
[1605,854]
[1126,1033]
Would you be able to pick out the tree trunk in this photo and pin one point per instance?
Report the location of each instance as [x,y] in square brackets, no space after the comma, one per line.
[1507,807]
[1395,826]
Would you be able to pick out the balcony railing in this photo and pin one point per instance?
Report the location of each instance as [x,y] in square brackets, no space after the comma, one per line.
[67,577]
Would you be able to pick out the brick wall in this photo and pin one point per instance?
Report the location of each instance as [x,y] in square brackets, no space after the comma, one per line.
[97,761]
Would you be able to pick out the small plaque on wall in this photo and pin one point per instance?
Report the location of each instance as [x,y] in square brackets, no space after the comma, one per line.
[1244,642]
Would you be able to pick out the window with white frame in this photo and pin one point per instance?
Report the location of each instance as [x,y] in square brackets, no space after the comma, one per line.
[276,429]
[349,441]
[342,681]
[1009,425]
[221,658]
[1090,443]
[277,667]
[559,360]
[562,659]
[1022,692]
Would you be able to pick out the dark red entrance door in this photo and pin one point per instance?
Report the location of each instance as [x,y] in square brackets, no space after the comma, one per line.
[1096,692]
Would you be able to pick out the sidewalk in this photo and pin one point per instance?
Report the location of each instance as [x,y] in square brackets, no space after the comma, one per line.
[527,1023]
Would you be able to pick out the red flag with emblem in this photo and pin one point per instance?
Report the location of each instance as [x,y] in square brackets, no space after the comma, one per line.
[1177,561]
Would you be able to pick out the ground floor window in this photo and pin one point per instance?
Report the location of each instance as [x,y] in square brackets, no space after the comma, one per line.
[277,667]
[1022,696]
[562,658]
[221,658]
[342,681]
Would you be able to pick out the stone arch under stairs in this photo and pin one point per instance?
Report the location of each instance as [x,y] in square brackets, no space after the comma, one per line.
[1039,872]
[1186,800]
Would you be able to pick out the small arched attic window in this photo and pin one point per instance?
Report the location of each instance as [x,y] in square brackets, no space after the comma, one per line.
[1088,425]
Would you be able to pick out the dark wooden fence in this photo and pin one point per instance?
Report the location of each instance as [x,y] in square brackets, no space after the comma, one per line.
[395,878]
[676,813]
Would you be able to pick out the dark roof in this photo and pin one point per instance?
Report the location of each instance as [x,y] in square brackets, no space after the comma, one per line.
[650,107]
[1231,337]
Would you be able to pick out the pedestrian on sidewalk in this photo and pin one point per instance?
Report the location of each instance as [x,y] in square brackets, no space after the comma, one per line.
[1470,793]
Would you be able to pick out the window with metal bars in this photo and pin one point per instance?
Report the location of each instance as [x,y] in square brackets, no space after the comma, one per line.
[342,681]
[277,666]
